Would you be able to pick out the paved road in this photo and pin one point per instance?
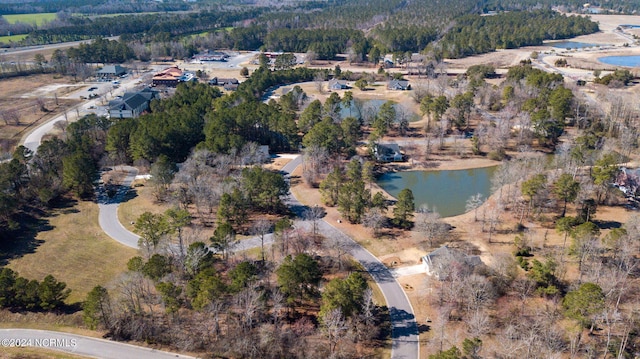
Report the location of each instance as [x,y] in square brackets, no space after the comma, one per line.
[108,216]
[34,138]
[404,327]
[81,345]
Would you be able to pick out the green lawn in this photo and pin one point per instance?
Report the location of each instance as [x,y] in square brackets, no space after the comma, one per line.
[12,38]
[37,19]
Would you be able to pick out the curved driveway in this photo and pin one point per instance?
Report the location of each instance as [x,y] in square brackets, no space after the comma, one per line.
[81,345]
[108,215]
[404,332]
[404,328]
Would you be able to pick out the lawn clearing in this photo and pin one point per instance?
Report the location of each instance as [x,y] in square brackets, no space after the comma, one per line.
[37,19]
[12,38]
[142,201]
[75,251]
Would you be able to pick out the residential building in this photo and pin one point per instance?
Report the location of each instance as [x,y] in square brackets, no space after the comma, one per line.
[335,84]
[388,152]
[401,85]
[221,81]
[111,71]
[132,104]
[441,262]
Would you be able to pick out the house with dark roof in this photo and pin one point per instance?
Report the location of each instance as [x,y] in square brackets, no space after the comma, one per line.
[388,152]
[335,84]
[401,85]
[221,81]
[132,104]
[230,87]
[111,71]
[441,262]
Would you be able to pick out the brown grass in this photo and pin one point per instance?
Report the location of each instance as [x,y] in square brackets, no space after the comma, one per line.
[20,95]
[75,251]
[144,201]
[35,353]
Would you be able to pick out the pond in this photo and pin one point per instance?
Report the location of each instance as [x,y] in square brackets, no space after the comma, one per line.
[370,108]
[447,191]
[628,61]
[571,45]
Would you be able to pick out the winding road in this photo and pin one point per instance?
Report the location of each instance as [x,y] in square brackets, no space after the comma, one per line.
[404,331]
[405,342]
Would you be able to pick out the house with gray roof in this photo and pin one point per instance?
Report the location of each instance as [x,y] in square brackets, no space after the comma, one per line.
[132,104]
[111,71]
[335,84]
[401,85]
[388,152]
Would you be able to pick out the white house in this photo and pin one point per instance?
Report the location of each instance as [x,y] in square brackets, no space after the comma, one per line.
[337,84]
[440,262]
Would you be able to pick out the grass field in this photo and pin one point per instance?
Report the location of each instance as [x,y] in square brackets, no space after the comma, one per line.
[37,19]
[12,38]
[205,33]
[75,251]
[21,353]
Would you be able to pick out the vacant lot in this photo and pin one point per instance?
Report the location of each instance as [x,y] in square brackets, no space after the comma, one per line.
[12,38]
[75,251]
[36,19]
[26,102]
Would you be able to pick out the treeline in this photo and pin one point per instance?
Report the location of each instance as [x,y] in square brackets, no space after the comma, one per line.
[30,183]
[405,38]
[138,26]
[474,34]
[22,294]
[172,129]
[626,7]
[90,6]
[101,50]
[233,308]
[196,115]
[325,43]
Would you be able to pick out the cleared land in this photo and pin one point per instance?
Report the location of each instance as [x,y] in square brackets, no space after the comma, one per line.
[25,98]
[12,38]
[75,251]
[37,19]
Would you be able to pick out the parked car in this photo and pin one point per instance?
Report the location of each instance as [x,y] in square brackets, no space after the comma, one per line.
[92,88]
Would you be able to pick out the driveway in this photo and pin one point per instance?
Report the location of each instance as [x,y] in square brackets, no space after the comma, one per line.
[404,332]
[108,216]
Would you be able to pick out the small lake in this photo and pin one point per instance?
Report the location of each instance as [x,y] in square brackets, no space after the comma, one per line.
[571,45]
[628,61]
[447,191]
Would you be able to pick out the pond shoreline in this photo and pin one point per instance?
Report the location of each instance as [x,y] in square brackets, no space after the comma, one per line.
[440,164]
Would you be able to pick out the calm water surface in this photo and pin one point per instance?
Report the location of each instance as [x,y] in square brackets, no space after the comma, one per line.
[447,191]
[571,45]
[629,61]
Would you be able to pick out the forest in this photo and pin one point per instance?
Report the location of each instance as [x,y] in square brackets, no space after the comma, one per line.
[294,28]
